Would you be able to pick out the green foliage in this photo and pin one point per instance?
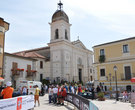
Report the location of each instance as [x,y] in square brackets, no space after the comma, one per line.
[44,81]
[100,95]
[80,82]
[102,58]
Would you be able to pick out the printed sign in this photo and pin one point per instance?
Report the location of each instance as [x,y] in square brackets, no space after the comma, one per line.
[80,102]
[17,103]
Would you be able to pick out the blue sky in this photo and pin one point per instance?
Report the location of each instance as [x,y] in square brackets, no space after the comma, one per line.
[94,21]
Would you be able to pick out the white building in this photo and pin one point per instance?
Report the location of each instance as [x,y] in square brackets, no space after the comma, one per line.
[16,67]
[64,60]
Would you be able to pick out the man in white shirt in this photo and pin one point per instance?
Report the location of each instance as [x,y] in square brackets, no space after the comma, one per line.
[72,90]
[55,91]
[50,92]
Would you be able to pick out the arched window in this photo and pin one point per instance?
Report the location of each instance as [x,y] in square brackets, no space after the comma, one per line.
[56,34]
[66,37]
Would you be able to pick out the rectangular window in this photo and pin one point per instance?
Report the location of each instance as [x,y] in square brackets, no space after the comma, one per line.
[90,70]
[127,72]
[41,77]
[102,72]
[29,68]
[41,64]
[14,68]
[125,48]
[102,52]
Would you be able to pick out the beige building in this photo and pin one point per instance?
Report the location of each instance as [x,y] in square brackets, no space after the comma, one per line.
[121,54]
[4,26]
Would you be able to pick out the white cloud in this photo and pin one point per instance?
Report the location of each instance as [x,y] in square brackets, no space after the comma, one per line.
[118,15]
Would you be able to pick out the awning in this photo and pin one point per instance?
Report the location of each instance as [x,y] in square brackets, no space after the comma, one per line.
[1,79]
[133,79]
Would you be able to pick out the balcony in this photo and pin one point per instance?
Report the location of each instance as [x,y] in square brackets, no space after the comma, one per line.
[102,58]
[127,78]
[16,71]
[31,73]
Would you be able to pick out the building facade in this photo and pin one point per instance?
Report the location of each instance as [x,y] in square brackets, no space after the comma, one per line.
[64,60]
[121,54]
[19,68]
[4,26]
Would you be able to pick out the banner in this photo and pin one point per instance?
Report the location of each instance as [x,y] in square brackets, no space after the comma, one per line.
[17,103]
[80,102]
[8,104]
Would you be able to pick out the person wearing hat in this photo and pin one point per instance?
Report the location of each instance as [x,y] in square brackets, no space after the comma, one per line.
[8,91]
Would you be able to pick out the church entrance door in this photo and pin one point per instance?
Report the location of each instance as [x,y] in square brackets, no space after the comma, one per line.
[80,74]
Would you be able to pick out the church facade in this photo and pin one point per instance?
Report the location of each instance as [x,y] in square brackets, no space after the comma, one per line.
[67,60]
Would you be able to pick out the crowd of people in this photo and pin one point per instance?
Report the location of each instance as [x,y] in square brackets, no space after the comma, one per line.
[58,93]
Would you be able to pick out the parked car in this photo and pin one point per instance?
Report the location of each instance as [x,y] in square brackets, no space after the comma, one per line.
[87,95]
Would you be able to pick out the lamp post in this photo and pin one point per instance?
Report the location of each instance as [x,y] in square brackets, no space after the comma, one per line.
[110,79]
[115,69]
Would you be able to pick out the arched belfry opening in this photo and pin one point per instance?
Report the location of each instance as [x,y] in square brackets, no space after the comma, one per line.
[66,36]
[56,34]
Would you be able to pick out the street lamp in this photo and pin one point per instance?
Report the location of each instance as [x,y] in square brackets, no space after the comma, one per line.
[115,69]
[110,76]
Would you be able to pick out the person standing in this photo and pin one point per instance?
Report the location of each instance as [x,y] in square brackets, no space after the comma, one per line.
[64,94]
[98,89]
[72,89]
[79,90]
[50,92]
[93,92]
[55,91]
[24,90]
[8,91]
[37,91]
[59,95]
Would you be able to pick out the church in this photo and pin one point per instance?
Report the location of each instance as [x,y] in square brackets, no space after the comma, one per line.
[64,59]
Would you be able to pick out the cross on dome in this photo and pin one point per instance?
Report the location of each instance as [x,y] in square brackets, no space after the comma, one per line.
[60,5]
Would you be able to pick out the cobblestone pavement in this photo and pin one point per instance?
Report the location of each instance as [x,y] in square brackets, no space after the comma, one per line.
[44,105]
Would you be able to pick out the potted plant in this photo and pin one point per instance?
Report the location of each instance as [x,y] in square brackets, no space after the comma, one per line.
[101,96]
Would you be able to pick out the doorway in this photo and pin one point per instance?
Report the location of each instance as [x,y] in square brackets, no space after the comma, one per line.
[41,77]
[80,74]
[128,88]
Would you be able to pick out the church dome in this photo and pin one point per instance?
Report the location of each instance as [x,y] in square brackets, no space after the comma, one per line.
[60,15]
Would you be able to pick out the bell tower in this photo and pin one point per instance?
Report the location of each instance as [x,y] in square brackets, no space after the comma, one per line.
[60,27]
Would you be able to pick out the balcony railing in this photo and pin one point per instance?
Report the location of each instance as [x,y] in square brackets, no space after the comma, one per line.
[127,78]
[16,71]
[31,73]
[102,58]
